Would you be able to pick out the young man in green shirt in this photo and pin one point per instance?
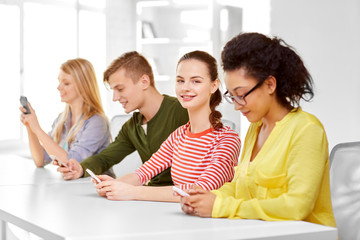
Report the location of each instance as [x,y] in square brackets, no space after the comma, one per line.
[131,79]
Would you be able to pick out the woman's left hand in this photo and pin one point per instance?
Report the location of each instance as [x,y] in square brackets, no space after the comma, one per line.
[115,190]
[199,203]
[30,120]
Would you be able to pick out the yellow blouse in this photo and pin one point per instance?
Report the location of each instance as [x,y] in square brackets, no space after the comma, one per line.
[287,180]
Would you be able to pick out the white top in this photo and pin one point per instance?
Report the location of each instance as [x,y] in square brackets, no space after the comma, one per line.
[144,126]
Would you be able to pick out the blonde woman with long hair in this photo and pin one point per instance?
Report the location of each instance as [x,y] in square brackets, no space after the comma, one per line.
[82,129]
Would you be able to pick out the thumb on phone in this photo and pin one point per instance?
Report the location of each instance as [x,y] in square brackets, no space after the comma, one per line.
[75,167]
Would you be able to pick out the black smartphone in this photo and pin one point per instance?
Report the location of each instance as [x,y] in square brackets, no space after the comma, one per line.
[24,103]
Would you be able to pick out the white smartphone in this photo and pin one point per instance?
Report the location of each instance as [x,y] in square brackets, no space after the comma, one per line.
[54,158]
[93,175]
[181,192]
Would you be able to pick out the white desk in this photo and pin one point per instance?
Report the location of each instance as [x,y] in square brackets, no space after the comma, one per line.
[55,210]
[16,170]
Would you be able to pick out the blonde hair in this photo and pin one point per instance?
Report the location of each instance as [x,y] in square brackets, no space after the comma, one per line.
[84,77]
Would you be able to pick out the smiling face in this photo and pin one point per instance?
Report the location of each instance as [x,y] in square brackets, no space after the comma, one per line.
[67,88]
[125,91]
[258,102]
[193,84]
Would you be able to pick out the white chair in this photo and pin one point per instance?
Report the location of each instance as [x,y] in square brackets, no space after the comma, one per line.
[229,123]
[345,189]
[131,162]
[116,123]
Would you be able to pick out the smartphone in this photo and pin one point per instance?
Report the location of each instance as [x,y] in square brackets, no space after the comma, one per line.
[93,175]
[54,158]
[24,103]
[181,192]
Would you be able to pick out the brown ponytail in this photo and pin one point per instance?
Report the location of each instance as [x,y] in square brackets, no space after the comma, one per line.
[216,97]
[215,116]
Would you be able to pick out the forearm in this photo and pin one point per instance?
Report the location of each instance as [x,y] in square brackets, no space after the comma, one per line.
[131,179]
[220,170]
[37,151]
[51,147]
[147,193]
[113,154]
[161,194]
[290,199]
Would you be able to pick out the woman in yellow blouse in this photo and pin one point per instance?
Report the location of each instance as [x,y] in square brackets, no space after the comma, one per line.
[283,173]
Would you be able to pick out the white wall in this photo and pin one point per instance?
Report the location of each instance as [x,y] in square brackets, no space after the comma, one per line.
[255,18]
[120,33]
[326,33]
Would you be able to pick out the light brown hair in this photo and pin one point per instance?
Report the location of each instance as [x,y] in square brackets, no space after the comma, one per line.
[135,66]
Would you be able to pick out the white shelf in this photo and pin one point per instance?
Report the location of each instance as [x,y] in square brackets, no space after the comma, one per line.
[165,32]
[185,41]
[155,40]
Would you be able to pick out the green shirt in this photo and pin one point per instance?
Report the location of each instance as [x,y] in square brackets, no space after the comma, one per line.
[131,137]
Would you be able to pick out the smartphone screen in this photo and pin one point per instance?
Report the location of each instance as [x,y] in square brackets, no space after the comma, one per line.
[24,103]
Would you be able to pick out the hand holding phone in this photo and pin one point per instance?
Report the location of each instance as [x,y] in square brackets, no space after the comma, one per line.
[93,175]
[24,103]
[181,192]
[61,164]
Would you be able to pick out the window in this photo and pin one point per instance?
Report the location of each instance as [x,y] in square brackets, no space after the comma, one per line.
[92,44]
[10,71]
[37,37]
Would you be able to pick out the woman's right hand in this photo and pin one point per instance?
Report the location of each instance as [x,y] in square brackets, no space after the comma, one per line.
[101,190]
[30,120]
[199,203]
[73,170]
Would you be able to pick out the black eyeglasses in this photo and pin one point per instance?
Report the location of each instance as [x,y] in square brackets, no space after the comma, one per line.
[241,99]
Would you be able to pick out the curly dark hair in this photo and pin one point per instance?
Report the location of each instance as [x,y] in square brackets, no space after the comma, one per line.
[216,97]
[262,57]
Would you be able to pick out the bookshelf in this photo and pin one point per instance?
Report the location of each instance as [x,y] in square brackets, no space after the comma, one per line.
[167,29]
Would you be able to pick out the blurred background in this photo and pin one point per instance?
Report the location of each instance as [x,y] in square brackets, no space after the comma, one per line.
[37,36]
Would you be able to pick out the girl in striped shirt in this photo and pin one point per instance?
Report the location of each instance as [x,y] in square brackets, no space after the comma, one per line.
[201,153]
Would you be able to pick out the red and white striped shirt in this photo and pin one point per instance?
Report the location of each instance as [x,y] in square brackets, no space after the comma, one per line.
[206,159]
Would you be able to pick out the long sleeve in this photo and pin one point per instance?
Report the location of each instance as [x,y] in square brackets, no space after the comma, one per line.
[132,138]
[111,155]
[47,158]
[224,157]
[159,162]
[93,137]
[285,180]
[228,189]
[205,159]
